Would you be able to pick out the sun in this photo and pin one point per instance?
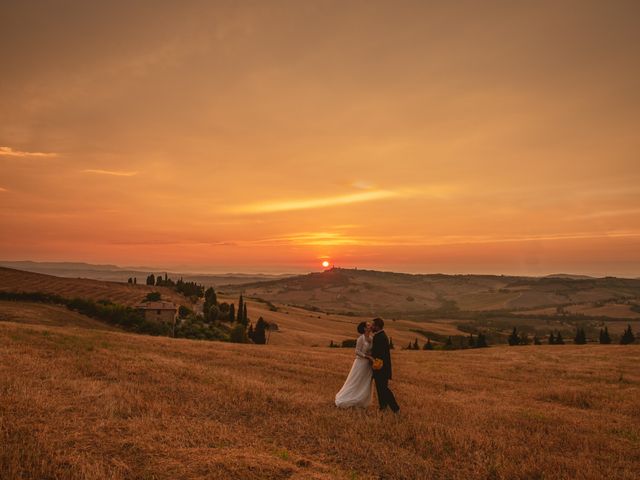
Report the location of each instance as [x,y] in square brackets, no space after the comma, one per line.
[325,264]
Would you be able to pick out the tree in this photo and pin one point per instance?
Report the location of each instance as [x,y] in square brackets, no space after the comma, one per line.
[472,341]
[552,339]
[151,279]
[415,345]
[559,339]
[130,280]
[153,297]
[238,334]
[449,343]
[240,309]
[581,337]
[232,312]
[260,332]
[184,312]
[245,317]
[627,337]
[250,331]
[135,280]
[482,341]
[536,340]
[514,339]
[605,339]
[210,300]
[213,313]
[524,338]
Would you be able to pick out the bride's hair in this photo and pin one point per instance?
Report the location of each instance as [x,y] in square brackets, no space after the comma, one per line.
[362,326]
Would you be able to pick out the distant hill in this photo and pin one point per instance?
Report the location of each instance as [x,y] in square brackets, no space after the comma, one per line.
[569,276]
[115,273]
[367,292]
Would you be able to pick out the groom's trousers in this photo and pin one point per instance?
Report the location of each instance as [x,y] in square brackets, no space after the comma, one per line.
[385,395]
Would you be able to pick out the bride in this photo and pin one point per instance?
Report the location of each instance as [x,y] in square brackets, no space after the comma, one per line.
[356,391]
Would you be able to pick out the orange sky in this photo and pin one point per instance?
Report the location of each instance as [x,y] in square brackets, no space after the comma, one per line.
[498,137]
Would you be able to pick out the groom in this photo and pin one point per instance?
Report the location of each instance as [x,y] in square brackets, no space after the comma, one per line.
[380,350]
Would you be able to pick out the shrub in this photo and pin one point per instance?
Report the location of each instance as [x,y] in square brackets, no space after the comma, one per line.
[238,334]
[153,297]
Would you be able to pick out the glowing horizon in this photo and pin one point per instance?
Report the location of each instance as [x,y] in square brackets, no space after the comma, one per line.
[409,137]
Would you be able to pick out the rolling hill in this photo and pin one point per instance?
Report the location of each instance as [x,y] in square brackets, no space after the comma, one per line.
[364,292]
[12,280]
[80,403]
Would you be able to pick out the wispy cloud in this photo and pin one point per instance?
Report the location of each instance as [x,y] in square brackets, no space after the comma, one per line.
[2,189]
[115,173]
[340,239]
[311,203]
[607,213]
[10,152]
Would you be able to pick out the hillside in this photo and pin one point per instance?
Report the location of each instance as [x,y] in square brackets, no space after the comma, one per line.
[364,292]
[125,294]
[116,273]
[48,315]
[77,403]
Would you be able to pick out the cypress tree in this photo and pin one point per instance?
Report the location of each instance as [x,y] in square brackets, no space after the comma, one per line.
[514,339]
[552,339]
[240,309]
[559,339]
[250,331]
[605,339]
[415,345]
[581,337]
[151,279]
[472,342]
[536,340]
[259,332]
[627,337]
[448,343]
[428,346]
[245,317]
[135,280]
[232,312]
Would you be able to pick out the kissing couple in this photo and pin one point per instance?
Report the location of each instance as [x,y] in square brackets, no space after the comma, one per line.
[373,360]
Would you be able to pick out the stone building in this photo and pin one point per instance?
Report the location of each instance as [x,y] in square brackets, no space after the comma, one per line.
[160,311]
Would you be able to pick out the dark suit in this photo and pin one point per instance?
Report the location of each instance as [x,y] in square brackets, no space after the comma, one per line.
[380,349]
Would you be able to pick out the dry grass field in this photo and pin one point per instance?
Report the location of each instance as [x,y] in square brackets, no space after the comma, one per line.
[125,294]
[297,326]
[82,403]
[45,314]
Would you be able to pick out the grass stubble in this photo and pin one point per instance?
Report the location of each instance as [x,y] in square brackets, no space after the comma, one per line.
[79,403]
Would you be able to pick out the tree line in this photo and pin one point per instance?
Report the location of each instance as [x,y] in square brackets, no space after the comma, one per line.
[580,338]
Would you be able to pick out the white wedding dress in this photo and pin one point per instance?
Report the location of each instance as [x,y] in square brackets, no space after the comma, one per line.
[356,391]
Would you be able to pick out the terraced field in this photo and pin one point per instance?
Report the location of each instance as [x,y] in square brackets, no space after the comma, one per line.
[125,294]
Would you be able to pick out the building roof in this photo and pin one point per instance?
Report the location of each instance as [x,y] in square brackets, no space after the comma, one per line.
[161,305]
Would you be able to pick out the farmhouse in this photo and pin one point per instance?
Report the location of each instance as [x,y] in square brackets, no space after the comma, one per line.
[159,311]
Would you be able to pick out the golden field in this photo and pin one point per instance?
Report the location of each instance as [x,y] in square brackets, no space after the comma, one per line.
[80,403]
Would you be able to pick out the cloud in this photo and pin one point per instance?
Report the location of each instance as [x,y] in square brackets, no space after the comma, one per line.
[10,152]
[115,173]
[2,189]
[311,203]
[607,213]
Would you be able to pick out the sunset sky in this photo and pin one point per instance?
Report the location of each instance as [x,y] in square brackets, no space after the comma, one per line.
[266,136]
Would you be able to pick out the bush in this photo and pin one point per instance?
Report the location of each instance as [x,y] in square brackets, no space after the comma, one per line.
[238,334]
[349,343]
[153,297]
